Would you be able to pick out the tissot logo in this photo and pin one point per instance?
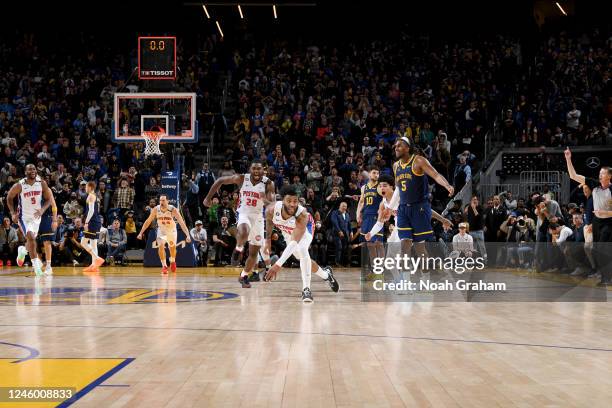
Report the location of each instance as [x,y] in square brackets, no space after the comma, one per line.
[156,73]
[593,162]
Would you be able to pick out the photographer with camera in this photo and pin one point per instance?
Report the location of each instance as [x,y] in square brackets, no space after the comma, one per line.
[519,236]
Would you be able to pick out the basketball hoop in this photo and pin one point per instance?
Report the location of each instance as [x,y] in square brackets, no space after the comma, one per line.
[152,139]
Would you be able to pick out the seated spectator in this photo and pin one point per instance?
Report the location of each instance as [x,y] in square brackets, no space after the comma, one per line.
[102,240]
[72,208]
[70,249]
[200,239]
[224,243]
[8,242]
[57,241]
[130,230]
[463,243]
[117,241]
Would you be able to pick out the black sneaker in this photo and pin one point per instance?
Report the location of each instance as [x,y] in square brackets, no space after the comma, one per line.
[254,277]
[236,256]
[244,281]
[307,295]
[333,283]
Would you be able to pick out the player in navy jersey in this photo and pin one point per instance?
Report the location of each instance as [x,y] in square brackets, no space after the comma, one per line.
[92,228]
[367,214]
[46,233]
[411,196]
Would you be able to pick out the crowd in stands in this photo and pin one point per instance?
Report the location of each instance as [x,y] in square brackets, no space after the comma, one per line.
[317,116]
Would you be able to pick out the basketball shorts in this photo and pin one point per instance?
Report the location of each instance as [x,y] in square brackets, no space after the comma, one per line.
[92,230]
[366,226]
[45,232]
[256,227]
[166,237]
[413,221]
[29,224]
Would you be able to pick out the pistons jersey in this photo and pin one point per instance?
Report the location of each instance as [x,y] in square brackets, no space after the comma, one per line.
[252,196]
[165,219]
[30,198]
[286,226]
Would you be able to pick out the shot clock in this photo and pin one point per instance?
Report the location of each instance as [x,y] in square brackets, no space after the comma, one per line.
[157,58]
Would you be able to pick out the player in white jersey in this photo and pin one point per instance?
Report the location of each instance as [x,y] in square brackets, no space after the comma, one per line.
[166,216]
[297,227]
[256,190]
[31,190]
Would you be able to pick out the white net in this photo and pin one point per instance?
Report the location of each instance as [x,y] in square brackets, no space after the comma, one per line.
[152,140]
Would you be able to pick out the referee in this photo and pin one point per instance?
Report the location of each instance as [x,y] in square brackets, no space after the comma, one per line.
[602,214]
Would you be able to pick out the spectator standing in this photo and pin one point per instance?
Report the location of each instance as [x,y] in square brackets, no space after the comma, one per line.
[341,230]
[200,239]
[8,242]
[494,218]
[474,214]
[123,198]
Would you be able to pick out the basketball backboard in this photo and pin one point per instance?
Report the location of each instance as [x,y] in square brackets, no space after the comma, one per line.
[172,113]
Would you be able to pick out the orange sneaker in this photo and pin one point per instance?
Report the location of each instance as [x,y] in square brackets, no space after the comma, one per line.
[99,262]
[90,268]
[173,266]
[164,270]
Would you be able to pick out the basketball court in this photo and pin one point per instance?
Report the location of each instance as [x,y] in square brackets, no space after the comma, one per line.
[130,337]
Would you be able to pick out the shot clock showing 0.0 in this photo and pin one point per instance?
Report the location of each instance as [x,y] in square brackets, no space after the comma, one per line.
[157,58]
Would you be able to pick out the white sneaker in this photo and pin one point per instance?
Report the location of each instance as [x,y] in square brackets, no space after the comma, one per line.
[37,267]
[48,270]
[21,254]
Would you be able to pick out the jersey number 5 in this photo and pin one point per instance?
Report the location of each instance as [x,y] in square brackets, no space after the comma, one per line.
[403,185]
[33,200]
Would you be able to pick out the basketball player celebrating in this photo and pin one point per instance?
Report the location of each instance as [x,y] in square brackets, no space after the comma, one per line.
[255,191]
[296,226]
[369,203]
[92,228]
[411,197]
[46,232]
[166,231]
[31,190]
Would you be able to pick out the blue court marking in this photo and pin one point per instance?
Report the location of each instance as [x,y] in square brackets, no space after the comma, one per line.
[33,352]
[95,383]
[113,385]
[374,336]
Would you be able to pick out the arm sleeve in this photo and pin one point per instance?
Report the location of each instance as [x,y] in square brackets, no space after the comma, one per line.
[287,253]
[376,228]
[393,204]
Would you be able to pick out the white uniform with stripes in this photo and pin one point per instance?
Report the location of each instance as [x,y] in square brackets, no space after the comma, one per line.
[166,226]
[30,200]
[251,208]
[286,226]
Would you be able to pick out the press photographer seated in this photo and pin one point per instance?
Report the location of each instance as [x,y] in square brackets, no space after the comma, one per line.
[519,232]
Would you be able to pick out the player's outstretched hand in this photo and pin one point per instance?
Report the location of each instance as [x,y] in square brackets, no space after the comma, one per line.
[567,153]
[207,203]
[451,191]
[188,239]
[139,236]
[271,274]
[368,237]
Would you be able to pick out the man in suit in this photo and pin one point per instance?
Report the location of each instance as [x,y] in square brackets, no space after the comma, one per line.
[494,218]
[341,223]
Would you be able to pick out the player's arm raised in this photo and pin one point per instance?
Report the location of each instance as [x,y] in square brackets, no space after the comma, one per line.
[360,206]
[426,167]
[298,232]
[10,199]
[148,222]
[176,213]
[235,179]
[570,167]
